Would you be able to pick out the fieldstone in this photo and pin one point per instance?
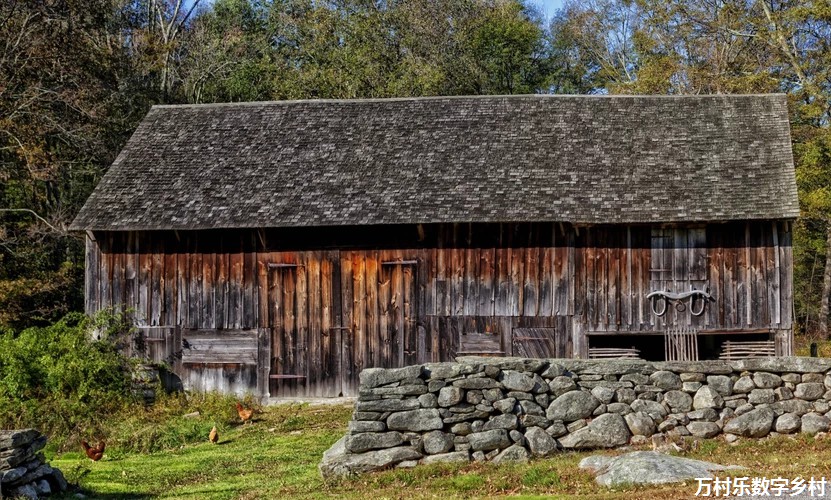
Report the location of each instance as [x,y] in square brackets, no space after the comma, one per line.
[821,406]
[514,453]
[727,414]
[788,423]
[666,380]
[540,442]
[647,467]
[591,377]
[561,385]
[42,487]
[809,391]
[577,424]
[760,396]
[781,364]
[554,370]
[436,442]
[401,390]
[17,438]
[415,420]
[703,429]
[12,475]
[625,395]
[741,410]
[572,406]
[603,394]
[764,380]
[678,400]
[454,456]
[450,396]
[782,393]
[359,443]
[827,380]
[520,396]
[706,414]
[428,401]
[756,423]
[731,438]
[813,423]
[493,394]
[337,462]
[478,456]
[668,425]
[691,387]
[461,429]
[744,385]
[635,378]
[600,410]
[375,377]
[505,405]
[474,397]
[505,421]
[793,378]
[621,408]
[531,408]
[477,383]
[556,429]
[435,385]
[534,421]
[640,424]
[707,397]
[516,381]
[357,426]
[383,405]
[693,377]
[605,431]
[489,440]
[652,408]
[26,491]
[721,383]
[812,378]
[797,406]
[517,437]
[543,399]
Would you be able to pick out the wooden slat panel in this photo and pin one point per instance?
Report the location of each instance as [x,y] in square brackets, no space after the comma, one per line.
[535,342]
[774,267]
[410,306]
[515,281]
[182,285]
[195,284]
[249,283]
[786,275]
[315,334]
[170,284]
[208,297]
[229,346]
[131,265]
[423,341]
[235,278]
[329,348]
[531,277]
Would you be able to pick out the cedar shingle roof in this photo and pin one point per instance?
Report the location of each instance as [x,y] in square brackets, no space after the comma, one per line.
[581,159]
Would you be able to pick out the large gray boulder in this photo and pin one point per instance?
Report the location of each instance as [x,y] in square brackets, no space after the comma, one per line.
[539,442]
[703,429]
[516,381]
[514,453]
[374,377]
[788,423]
[436,442]
[640,424]
[489,440]
[359,443]
[679,401]
[606,431]
[707,397]
[666,380]
[648,467]
[755,423]
[813,423]
[415,420]
[572,406]
[810,391]
[337,462]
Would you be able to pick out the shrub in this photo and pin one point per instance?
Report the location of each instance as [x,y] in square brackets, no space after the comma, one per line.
[60,380]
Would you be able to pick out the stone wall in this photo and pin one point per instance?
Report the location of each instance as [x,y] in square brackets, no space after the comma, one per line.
[509,409]
[23,470]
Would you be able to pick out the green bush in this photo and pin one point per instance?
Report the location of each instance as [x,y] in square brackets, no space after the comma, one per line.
[61,379]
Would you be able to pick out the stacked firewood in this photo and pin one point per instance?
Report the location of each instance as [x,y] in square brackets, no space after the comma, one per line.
[23,470]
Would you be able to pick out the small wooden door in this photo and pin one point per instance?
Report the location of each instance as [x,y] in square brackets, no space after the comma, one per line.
[307,340]
[398,298]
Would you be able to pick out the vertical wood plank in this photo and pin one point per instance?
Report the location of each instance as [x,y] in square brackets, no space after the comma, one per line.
[774,263]
[786,278]
[486,292]
[359,310]
[373,334]
[313,356]
[207,320]
[249,283]
[329,350]
[410,306]
[421,281]
[170,283]
[530,289]
[349,364]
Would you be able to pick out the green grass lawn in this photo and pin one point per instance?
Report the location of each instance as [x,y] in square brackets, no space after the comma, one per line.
[277,457]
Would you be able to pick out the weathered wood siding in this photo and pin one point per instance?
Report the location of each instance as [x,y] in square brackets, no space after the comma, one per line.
[321,305]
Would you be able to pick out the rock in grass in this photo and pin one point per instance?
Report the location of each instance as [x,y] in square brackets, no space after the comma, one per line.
[755,423]
[648,467]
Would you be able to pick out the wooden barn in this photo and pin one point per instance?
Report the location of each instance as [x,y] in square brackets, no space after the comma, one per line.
[281,247]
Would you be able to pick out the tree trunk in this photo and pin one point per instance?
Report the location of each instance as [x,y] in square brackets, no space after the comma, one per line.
[826,284]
